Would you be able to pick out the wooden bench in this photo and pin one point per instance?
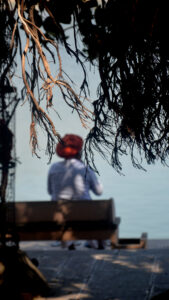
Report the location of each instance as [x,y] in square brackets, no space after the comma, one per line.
[64,220]
[67,220]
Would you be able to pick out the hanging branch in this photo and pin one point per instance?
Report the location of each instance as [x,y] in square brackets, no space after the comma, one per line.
[33,32]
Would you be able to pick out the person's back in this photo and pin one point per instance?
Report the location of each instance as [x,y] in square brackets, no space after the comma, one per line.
[71,179]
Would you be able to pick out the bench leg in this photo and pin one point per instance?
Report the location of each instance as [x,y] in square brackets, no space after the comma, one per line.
[114,238]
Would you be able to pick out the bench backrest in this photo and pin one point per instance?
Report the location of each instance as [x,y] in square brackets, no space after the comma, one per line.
[61,211]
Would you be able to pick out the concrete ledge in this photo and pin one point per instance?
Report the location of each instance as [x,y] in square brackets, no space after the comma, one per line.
[131,243]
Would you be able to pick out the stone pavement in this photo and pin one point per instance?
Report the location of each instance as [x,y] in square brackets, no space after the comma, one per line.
[103,274]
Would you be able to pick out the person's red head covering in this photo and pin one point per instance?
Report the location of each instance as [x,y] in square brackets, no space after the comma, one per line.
[69,146]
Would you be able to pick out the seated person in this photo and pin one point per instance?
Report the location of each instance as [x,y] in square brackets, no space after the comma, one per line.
[70,179]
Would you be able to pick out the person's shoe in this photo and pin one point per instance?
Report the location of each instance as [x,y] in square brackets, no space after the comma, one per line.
[72,247]
[88,245]
[91,244]
[56,244]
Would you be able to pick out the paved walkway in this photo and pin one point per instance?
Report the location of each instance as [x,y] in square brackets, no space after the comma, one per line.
[103,274]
